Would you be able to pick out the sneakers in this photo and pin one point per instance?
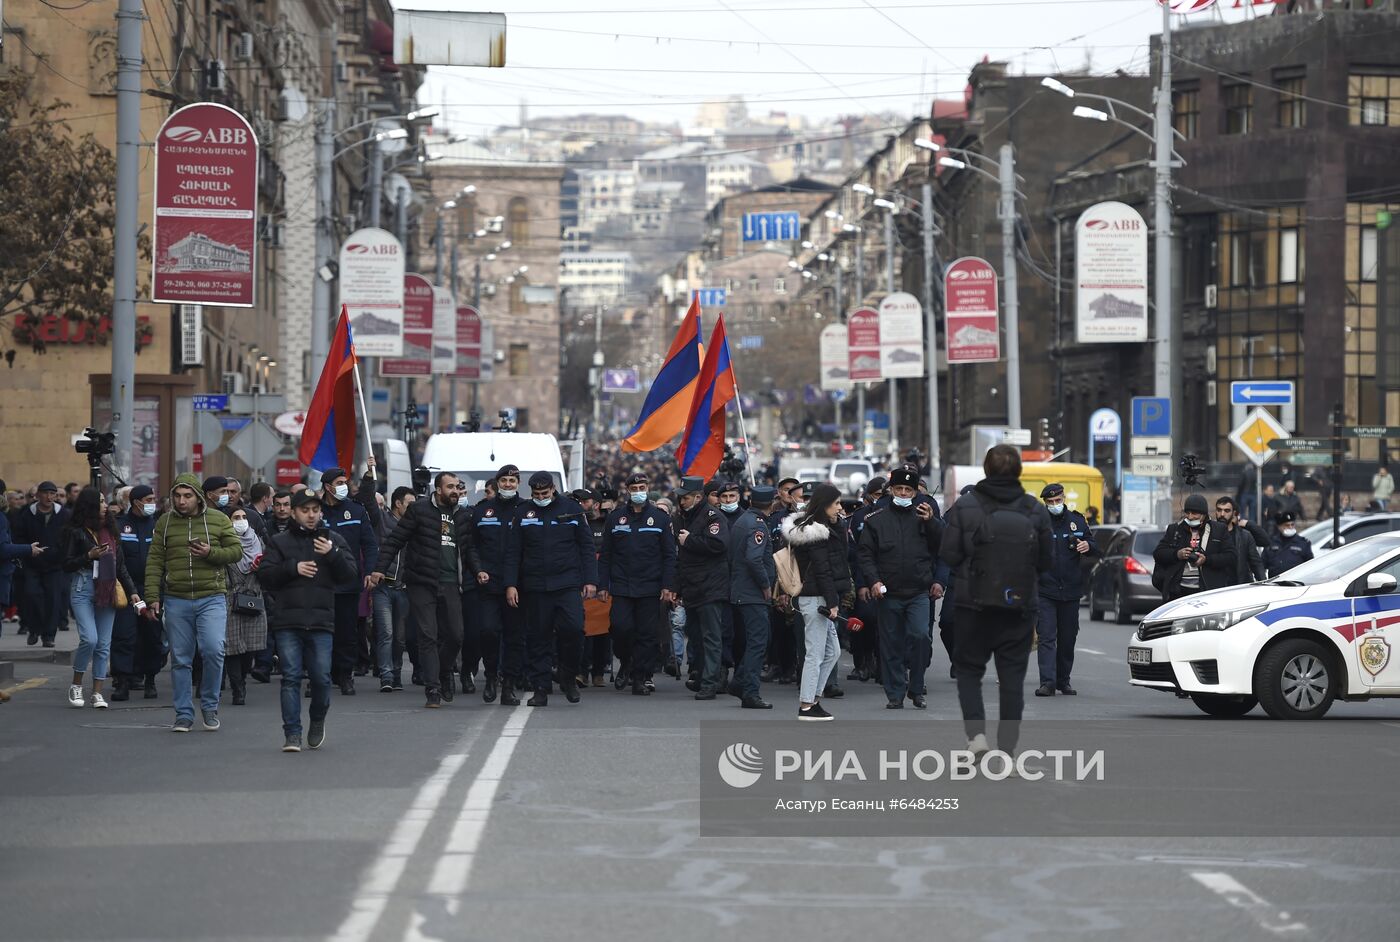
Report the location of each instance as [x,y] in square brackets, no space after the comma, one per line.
[448,690]
[75,696]
[211,719]
[977,745]
[398,683]
[99,702]
[814,714]
[292,744]
[182,725]
[434,699]
[1045,690]
[385,686]
[1067,690]
[316,735]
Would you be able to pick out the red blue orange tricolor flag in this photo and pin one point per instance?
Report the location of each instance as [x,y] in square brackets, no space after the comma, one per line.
[669,400]
[328,437]
[702,444]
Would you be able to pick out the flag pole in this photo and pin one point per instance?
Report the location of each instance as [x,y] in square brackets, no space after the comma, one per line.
[743,431]
[364,413]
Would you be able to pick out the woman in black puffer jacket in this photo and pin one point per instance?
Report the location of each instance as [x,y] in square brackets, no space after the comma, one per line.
[817,537]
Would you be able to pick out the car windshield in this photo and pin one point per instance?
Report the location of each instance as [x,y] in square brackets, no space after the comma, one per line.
[1338,563]
[1319,532]
[1145,541]
[844,469]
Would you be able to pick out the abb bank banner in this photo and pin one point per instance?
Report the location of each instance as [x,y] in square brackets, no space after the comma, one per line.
[468,343]
[863,345]
[206,202]
[973,324]
[1110,252]
[372,289]
[417,359]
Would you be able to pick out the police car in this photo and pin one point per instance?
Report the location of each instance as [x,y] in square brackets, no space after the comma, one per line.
[1325,630]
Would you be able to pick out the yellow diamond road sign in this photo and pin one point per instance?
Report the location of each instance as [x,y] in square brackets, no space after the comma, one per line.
[1252,436]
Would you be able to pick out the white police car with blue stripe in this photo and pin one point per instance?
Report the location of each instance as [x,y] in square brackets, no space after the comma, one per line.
[1327,629]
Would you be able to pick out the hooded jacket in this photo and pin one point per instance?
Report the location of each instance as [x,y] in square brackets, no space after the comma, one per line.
[821,557]
[304,604]
[172,571]
[966,517]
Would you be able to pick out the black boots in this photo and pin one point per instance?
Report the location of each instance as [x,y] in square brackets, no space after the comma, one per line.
[151,687]
[508,697]
[121,688]
[488,693]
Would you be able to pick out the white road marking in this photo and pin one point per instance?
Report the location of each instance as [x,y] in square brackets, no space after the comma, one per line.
[1092,651]
[1268,916]
[382,877]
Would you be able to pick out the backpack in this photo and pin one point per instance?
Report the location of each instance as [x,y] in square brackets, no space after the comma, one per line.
[789,574]
[1002,571]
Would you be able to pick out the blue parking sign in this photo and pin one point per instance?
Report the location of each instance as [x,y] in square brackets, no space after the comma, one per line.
[1152,416]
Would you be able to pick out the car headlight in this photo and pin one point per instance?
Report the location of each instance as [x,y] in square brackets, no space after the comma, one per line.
[1217,622]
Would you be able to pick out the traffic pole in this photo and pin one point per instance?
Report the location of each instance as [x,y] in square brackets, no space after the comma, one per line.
[1164,351]
[1008,265]
[325,240]
[935,454]
[889,289]
[130,22]
[860,387]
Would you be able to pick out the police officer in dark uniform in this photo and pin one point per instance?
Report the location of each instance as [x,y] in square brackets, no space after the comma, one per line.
[729,495]
[550,568]
[702,571]
[1061,587]
[347,519]
[500,629]
[752,575]
[136,647]
[637,569]
[864,644]
[595,657]
[1288,548]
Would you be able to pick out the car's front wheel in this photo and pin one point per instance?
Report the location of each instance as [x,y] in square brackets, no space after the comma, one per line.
[1295,680]
[1095,613]
[1225,705]
[1122,610]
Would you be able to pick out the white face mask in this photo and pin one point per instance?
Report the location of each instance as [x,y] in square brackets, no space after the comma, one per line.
[1289,531]
[240,527]
[542,501]
[904,502]
[149,509]
[1055,509]
[1192,523]
[800,506]
[341,491]
[223,500]
[729,508]
[508,495]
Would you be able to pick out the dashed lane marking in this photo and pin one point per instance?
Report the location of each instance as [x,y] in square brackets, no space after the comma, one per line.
[1264,913]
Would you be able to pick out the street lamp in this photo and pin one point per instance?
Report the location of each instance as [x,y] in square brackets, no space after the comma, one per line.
[863,188]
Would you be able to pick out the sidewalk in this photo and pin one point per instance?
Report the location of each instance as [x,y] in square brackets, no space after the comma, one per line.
[13,648]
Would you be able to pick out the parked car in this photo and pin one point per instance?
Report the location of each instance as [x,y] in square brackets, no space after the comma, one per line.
[1354,527]
[1323,631]
[1121,582]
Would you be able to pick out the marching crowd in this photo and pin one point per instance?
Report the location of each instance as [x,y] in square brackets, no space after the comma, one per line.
[724,586]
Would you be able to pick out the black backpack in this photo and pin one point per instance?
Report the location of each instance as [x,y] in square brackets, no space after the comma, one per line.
[1002,572]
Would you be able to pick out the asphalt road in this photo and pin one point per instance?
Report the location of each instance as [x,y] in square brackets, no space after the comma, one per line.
[581,822]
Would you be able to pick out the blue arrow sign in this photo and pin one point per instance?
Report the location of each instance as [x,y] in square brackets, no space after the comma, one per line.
[712,297]
[772,227]
[1261,393]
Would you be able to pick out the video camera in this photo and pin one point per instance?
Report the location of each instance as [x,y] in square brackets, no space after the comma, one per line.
[1191,470]
[96,445]
[422,480]
[732,465]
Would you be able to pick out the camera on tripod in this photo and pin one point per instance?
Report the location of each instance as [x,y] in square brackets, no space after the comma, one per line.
[1191,470]
[422,480]
[96,445]
[732,465]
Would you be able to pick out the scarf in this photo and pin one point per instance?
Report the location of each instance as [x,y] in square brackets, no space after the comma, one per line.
[252,551]
[104,569]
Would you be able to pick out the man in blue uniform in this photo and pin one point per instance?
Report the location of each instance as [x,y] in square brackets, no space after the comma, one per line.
[550,569]
[637,569]
[864,644]
[136,650]
[1288,548]
[702,571]
[347,519]
[501,630]
[751,577]
[1061,587]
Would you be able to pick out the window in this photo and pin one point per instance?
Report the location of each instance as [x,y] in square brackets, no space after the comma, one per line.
[466,216]
[519,359]
[733,285]
[517,295]
[1292,108]
[1289,260]
[751,311]
[1239,259]
[1186,111]
[1239,108]
[1374,99]
[518,220]
[1368,253]
[753,282]
[780,286]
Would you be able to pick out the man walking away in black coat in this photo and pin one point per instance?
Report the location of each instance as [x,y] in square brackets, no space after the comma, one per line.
[1060,590]
[997,542]
[303,566]
[1250,541]
[1194,555]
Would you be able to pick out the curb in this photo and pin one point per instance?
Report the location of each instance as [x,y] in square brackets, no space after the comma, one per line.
[39,656]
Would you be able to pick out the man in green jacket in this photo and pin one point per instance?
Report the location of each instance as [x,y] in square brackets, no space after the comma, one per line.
[185,581]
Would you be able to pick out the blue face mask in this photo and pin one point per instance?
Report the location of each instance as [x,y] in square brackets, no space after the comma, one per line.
[904,502]
[1055,509]
[223,500]
[639,497]
[729,508]
[149,509]
[542,501]
[342,491]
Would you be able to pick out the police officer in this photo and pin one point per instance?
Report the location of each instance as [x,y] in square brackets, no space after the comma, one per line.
[136,648]
[1288,549]
[347,519]
[863,644]
[729,495]
[637,570]
[595,656]
[702,571]
[501,630]
[752,575]
[1061,587]
[550,568]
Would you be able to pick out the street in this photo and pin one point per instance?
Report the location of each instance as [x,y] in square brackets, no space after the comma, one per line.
[581,822]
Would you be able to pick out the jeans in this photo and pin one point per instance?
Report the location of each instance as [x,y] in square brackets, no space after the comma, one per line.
[188,621]
[94,627]
[707,638]
[906,646]
[300,650]
[677,620]
[1005,636]
[754,621]
[823,649]
[390,613]
[438,614]
[1058,629]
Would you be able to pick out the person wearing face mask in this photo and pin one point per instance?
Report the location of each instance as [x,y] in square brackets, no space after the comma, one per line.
[500,627]
[1061,587]
[702,576]
[637,571]
[217,495]
[246,631]
[435,537]
[136,648]
[752,577]
[898,547]
[1194,555]
[1288,548]
[550,569]
[348,519]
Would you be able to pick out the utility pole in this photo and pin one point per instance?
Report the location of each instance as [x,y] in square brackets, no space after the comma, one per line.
[931,273]
[130,22]
[325,239]
[452,380]
[476,303]
[401,233]
[376,180]
[1164,352]
[860,296]
[889,289]
[1008,264]
[437,280]
[841,313]
[596,374]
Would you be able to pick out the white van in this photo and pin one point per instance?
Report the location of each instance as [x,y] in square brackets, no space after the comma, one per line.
[476,456]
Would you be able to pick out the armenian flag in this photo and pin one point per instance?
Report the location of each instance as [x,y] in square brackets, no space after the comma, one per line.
[328,437]
[665,409]
[702,445]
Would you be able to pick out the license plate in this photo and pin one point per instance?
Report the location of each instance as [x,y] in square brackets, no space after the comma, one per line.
[1139,655]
